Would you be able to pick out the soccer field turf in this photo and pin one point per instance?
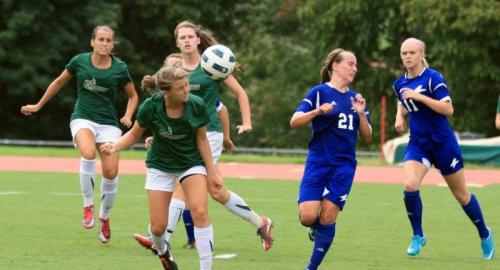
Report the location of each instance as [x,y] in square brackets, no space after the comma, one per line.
[40,228]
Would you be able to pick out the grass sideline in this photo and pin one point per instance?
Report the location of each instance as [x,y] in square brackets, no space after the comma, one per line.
[42,211]
[140,154]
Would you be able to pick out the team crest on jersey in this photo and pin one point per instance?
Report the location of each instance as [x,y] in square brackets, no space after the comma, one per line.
[419,89]
[92,86]
[194,87]
[168,133]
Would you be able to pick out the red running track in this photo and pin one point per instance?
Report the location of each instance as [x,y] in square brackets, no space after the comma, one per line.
[364,174]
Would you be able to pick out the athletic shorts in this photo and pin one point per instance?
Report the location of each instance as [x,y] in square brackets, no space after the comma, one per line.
[332,182]
[102,133]
[215,139]
[446,156]
[164,181]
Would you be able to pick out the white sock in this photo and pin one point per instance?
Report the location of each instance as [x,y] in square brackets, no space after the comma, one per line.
[109,188]
[174,215]
[204,244]
[158,242]
[239,207]
[87,176]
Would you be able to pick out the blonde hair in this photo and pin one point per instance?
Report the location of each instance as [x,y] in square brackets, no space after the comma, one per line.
[334,56]
[177,57]
[206,37]
[163,79]
[422,48]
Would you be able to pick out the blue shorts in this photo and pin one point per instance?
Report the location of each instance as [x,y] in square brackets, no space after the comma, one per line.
[446,156]
[332,182]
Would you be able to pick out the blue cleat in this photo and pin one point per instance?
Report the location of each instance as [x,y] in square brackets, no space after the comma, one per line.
[417,242]
[488,246]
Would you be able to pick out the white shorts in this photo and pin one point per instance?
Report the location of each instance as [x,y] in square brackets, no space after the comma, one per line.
[164,181]
[102,133]
[215,139]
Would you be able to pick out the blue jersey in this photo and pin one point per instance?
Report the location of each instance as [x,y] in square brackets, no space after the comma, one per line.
[333,134]
[426,125]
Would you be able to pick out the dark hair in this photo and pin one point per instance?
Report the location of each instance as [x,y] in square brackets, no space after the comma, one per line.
[333,56]
[99,27]
[163,79]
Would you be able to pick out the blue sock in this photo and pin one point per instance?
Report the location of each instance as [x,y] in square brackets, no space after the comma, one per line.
[188,224]
[473,211]
[414,207]
[324,239]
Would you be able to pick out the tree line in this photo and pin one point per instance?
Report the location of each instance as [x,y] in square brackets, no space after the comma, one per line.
[280,44]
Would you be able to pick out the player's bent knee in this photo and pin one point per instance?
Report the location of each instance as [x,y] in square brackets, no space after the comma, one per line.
[218,194]
[200,216]
[462,197]
[308,219]
[88,154]
[410,186]
[110,173]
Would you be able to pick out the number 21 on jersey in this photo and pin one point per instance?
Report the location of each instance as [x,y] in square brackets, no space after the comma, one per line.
[345,121]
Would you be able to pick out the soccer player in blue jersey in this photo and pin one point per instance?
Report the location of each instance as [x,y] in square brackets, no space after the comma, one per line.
[337,114]
[423,94]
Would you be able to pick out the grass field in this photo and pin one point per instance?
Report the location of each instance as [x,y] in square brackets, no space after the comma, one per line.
[40,228]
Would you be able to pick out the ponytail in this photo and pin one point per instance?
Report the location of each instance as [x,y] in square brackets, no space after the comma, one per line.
[326,69]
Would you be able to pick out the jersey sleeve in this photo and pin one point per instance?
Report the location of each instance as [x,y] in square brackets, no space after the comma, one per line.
[498,105]
[438,87]
[125,76]
[309,102]
[200,116]
[145,113]
[72,65]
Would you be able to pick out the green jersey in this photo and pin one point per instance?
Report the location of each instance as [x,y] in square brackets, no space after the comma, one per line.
[97,88]
[208,89]
[498,105]
[174,147]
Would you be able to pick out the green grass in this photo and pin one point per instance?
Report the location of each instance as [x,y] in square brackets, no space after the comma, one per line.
[40,228]
[139,154]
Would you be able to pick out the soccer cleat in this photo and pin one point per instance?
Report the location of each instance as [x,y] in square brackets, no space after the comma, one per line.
[104,231]
[145,242]
[167,261]
[88,217]
[190,245]
[265,233]
[488,246]
[311,232]
[417,242]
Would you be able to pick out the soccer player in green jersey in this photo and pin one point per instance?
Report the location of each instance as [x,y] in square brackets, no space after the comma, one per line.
[180,150]
[497,119]
[99,76]
[192,40]
[181,205]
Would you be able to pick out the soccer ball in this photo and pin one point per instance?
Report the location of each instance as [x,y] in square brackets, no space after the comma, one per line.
[218,62]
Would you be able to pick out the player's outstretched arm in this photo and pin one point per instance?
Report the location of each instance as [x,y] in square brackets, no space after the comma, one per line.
[127,140]
[51,91]
[243,102]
